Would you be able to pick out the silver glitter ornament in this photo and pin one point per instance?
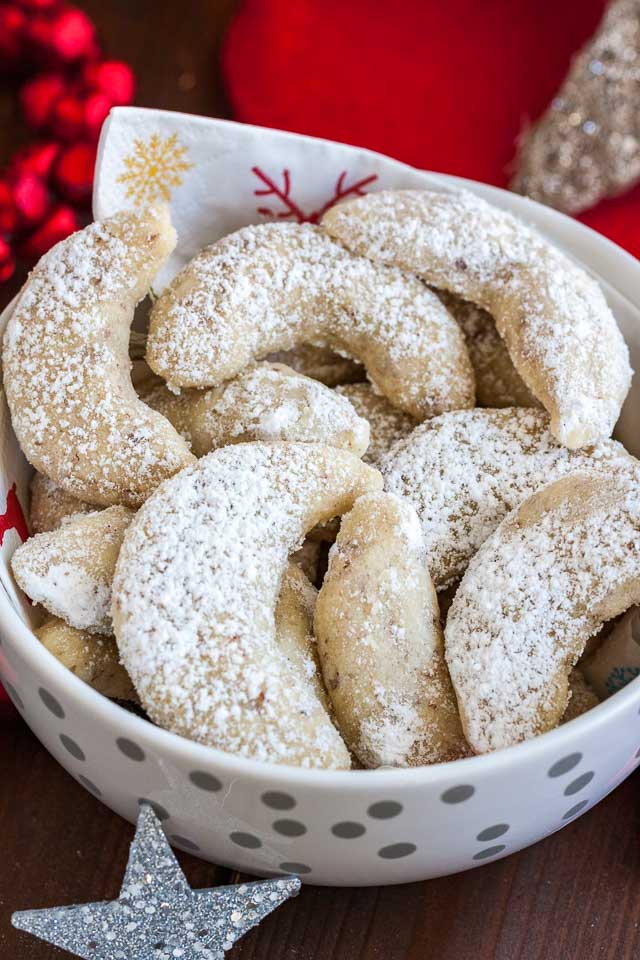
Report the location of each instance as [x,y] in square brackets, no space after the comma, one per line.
[157,915]
[587,144]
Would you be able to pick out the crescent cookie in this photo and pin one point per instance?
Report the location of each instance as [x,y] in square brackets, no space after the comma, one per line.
[66,364]
[195,590]
[70,570]
[465,470]
[320,363]
[265,402]
[559,566]
[380,641]
[498,383]
[559,331]
[273,286]
[386,423]
[93,659]
[49,504]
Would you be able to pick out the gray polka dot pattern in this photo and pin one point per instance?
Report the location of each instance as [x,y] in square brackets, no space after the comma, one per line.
[160,811]
[492,833]
[277,800]
[397,850]
[72,747]
[130,749]
[295,867]
[289,828]
[15,696]
[245,840]
[51,703]
[575,809]
[384,809]
[565,765]
[348,830]
[91,787]
[205,781]
[579,783]
[458,794]
[183,842]
[489,852]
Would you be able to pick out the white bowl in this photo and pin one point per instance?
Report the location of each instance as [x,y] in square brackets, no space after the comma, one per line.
[339,828]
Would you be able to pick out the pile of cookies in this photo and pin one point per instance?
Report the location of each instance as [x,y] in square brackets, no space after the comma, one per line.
[289,532]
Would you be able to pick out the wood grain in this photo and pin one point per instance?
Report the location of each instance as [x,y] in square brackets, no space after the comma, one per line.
[575,896]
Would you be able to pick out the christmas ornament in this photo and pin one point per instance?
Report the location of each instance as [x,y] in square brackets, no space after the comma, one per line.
[66,100]
[587,145]
[157,914]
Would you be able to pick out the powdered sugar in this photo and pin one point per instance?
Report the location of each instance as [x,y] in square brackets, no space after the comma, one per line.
[465,470]
[561,336]
[66,363]
[387,424]
[554,570]
[273,286]
[196,587]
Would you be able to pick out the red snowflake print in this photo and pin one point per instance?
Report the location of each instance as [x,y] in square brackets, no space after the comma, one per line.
[13,517]
[289,208]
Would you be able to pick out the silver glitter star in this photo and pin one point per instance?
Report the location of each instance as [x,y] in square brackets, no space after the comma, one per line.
[587,144]
[157,915]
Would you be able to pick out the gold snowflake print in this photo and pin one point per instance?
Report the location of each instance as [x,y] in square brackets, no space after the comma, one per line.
[154,168]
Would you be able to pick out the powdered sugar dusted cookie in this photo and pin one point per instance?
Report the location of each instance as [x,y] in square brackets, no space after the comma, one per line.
[582,697]
[70,570]
[560,334]
[386,423]
[66,364]
[196,585]
[93,659]
[555,569]
[273,286]
[380,641]
[273,402]
[50,504]
[465,470]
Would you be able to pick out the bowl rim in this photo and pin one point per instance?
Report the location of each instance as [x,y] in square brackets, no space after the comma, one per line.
[201,756]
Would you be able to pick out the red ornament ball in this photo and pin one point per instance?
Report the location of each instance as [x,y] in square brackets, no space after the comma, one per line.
[7,261]
[61,39]
[74,172]
[8,213]
[113,78]
[68,119]
[12,27]
[62,221]
[31,199]
[37,158]
[96,108]
[38,96]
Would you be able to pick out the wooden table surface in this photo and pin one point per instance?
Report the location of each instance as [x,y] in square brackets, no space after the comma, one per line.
[575,895]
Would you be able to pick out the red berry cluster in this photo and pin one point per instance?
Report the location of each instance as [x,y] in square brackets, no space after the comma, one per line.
[67,89]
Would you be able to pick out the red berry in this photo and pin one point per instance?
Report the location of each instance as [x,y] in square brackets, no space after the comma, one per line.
[72,35]
[114,78]
[7,261]
[67,120]
[8,215]
[96,109]
[38,96]
[31,199]
[12,26]
[61,222]
[74,172]
[35,158]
